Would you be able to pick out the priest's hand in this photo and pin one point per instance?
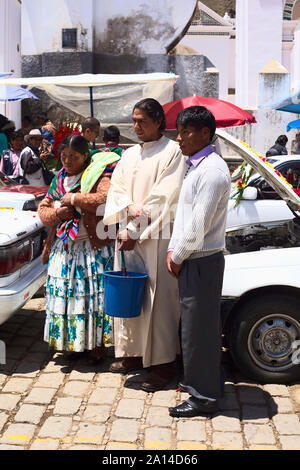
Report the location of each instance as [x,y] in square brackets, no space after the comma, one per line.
[126,243]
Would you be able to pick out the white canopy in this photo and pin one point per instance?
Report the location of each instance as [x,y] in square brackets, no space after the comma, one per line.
[113,95]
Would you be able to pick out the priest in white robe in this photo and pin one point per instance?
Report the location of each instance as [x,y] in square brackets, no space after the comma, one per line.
[143,197]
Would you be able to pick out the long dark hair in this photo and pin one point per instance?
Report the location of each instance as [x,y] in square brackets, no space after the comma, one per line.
[154,110]
[77,143]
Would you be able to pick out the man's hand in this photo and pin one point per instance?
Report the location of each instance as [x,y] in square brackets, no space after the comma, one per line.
[127,243]
[173,268]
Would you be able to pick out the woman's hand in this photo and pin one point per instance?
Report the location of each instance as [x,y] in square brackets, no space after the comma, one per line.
[126,243]
[65,213]
[66,200]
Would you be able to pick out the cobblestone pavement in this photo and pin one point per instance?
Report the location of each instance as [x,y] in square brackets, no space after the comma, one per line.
[48,401]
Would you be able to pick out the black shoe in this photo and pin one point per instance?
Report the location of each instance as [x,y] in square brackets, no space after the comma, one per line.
[193,407]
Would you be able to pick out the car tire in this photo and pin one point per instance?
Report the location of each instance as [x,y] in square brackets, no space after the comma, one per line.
[261,339]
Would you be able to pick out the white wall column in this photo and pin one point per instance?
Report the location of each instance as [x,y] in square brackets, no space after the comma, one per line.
[258,40]
[296,60]
[10,53]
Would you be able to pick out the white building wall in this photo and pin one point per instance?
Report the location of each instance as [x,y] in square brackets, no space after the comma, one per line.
[258,39]
[10,54]
[43,21]
[217,50]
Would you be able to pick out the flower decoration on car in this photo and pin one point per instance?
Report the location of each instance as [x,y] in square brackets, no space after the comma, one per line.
[246,170]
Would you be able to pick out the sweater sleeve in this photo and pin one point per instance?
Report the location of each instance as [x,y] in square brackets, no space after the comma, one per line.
[89,202]
[47,213]
[30,165]
[208,191]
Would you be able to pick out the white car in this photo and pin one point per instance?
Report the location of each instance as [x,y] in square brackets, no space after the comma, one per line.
[261,289]
[21,271]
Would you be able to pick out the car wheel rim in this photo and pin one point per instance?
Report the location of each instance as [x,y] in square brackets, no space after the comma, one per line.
[271,342]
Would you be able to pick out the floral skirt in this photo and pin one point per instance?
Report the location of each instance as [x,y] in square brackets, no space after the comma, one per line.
[75,316]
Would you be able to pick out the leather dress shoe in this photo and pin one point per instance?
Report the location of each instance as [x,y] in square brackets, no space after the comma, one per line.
[127,364]
[193,407]
[160,376]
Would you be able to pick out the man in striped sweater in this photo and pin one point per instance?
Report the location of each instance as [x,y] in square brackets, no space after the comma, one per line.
[195,257]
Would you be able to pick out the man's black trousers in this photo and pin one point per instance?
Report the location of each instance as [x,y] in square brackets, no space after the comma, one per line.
[200,288]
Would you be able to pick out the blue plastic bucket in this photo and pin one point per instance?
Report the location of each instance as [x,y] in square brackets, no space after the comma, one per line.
[124,294]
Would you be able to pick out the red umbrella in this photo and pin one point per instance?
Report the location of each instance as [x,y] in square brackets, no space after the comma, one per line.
[226,114]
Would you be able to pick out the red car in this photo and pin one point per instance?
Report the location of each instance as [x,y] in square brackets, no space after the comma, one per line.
[20,196]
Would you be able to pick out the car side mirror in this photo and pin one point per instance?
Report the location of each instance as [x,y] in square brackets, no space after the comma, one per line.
[250,193]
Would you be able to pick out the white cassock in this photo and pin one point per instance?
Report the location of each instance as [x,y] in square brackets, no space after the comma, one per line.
[149,174]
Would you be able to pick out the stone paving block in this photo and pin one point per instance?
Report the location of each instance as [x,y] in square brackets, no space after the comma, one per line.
[259,434]
[158,438]
[97,413]
[164,398]
[18,434]
[228,421]
[251,395]
[8,401]
[67,406]
[159,416]
[229,402]
[50,380]
[262,447]
[45,444]
[255,414]
[287,424]
[3,377]
[186,445]
[104,396]
[90,433]
[86,447]
[26,369]
[290,442]
[40,346]
[109,379]
[9,447]
[17,385]
[42,396]
[82,375]
[277,390]
[30,414]
[281,405]
[15,352]
[124,430]
[76,388]
[3,419]
[227,441]
[56,427]
[120,446]
[191,431]
[54,366]
[129,408]
[133,393]
[22,341]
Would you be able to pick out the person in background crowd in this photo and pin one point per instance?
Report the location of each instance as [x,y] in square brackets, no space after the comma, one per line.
[195,257]
[31,164]
[27,125]
[75,317]
[145,186]
[111,138]
[279,148]
[46,127]
[7,127]
[91,129]
[9,163]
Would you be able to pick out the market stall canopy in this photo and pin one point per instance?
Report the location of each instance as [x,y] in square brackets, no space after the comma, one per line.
[112,96]
[226,114]
[15,93]
[293,125]
[290,104]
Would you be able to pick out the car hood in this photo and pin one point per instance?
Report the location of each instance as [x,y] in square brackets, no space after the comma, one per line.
[36,191]
[278,184]
[17,224]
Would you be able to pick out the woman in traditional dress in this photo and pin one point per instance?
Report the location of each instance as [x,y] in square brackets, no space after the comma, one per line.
[75,317]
